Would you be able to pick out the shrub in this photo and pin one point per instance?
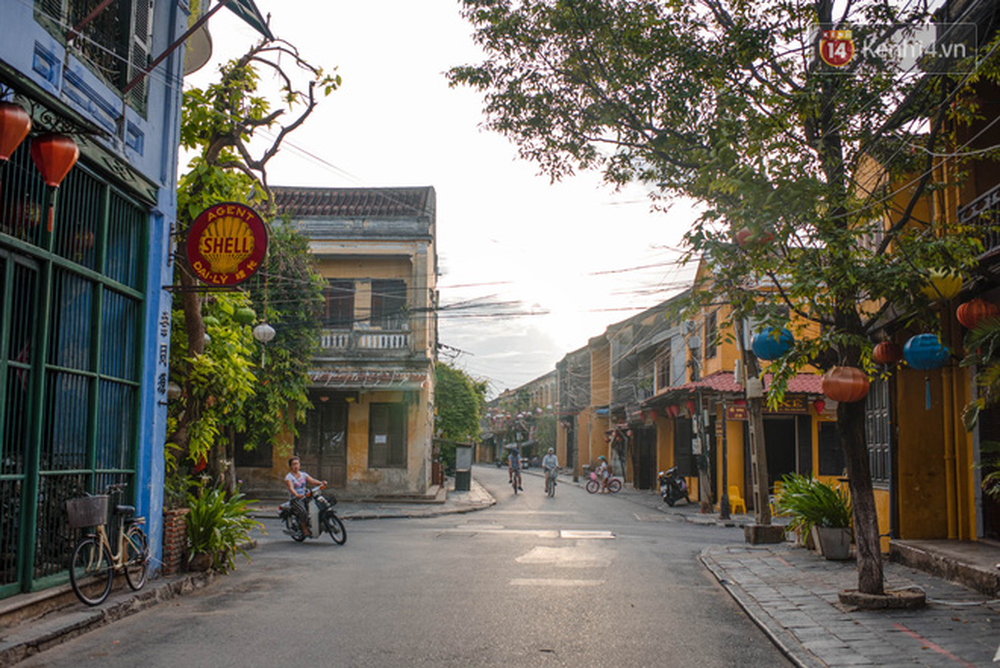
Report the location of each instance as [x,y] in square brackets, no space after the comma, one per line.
[220,526]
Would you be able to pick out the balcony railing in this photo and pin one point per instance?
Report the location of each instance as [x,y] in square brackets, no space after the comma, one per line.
[363,340]
[984,213]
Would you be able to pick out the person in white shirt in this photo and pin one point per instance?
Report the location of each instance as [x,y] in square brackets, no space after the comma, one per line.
[296,481]
[550,464]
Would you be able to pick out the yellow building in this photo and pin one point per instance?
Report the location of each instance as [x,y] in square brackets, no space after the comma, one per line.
[370,431]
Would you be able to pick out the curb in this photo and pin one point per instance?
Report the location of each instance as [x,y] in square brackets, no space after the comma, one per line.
[778,635]
[44,634]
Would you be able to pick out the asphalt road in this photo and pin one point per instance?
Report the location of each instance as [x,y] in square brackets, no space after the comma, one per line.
[578,580]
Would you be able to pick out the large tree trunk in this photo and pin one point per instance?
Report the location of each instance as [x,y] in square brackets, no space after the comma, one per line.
[851,424]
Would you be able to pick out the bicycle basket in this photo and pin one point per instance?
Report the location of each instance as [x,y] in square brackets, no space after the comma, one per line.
[87,511]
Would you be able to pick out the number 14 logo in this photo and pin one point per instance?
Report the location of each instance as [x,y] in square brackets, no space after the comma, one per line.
[836,47]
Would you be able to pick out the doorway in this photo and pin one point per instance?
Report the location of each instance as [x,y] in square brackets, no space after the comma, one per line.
[322,441]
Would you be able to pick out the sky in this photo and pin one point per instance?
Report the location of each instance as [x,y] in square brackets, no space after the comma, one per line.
[564,254]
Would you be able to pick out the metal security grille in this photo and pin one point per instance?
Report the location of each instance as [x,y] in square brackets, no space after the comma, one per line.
[71,306]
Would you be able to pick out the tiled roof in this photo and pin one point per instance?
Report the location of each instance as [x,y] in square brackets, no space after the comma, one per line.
[723,381]
[355,202]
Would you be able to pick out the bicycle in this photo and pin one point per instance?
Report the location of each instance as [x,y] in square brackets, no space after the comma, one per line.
[515,480]
[550,482]
[92,567]
[594,484]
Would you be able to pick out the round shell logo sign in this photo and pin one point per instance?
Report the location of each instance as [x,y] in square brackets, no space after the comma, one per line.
[226,244]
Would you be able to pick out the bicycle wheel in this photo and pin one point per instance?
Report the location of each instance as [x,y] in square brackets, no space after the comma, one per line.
[91,571]
[335,527]
[136,549]
[593,486]
[614,485]
[514,482]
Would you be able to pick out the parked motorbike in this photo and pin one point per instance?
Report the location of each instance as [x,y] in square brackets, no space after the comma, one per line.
[322,518]
[673,486]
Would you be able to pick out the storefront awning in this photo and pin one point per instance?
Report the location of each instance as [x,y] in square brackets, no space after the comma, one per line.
[724,382]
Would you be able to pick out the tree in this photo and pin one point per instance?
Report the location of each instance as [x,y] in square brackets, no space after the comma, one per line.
[797,164]
[221,124]
[458,406]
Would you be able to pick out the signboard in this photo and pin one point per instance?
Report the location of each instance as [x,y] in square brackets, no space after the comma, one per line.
[836,47]
[226,244]
[791,405]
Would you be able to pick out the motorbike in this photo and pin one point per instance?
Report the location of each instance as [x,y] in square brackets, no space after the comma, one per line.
[322,518]
[673,487]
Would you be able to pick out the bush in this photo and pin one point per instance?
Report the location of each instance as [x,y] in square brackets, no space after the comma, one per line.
[219,526]
[811,502]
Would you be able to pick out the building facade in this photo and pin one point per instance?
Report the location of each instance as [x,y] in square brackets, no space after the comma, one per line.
[84,318]
[370,430]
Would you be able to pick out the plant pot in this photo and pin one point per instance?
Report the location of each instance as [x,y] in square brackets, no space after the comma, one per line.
[201,562]
[833,542]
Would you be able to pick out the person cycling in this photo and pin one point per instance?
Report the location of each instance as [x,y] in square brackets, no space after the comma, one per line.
[550,464]
[604,473]
[514,464]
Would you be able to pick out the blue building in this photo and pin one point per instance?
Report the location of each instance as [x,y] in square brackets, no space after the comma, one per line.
[84,318]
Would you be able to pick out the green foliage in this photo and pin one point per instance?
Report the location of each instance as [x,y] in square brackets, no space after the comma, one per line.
[811,502]
[458,403]
[220,526]
[983,344]
[546,432]
[292,304]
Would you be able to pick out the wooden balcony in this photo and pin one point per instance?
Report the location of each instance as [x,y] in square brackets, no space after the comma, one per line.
[983,213]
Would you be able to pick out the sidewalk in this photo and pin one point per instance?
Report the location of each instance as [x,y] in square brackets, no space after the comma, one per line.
[791,594]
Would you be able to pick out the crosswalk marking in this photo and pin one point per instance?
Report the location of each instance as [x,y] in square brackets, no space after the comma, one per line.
[586,535]
[551,582]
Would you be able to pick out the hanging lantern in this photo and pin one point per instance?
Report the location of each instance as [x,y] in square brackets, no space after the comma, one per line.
[887,352]
[819,405]
[942,284]
[973,312]
[54,155]
[770,343]
[845,383]
[15,123]
[926,352]
[263,332]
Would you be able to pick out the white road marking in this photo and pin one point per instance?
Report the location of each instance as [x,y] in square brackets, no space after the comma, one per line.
[549,582]
[485,530]
[586,535]
[568,557]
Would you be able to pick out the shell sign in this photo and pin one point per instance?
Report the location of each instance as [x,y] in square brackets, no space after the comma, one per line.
[226,244]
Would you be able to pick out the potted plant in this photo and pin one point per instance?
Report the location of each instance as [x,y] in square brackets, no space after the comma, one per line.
[818,509]
[218,527]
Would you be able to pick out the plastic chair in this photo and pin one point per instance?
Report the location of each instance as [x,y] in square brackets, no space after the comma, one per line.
[775,511]
[736,501]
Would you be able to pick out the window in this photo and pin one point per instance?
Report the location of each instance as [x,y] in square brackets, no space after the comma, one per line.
[115,44]
[388,304]
[711,334]
[339,309]
[387,436]
[661,369]
[877,430]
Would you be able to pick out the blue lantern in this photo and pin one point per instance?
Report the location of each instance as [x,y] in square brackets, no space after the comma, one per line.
[926,352]
[770,343]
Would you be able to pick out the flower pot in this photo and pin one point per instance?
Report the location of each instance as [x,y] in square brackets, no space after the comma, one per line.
[200,562]
[833,542]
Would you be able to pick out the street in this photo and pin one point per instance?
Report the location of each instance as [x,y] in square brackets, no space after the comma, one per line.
[577,580]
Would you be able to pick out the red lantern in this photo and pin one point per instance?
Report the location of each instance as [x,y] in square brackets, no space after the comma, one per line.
[15,123]
[845,383]
[54,155]
[972,313]
[819,405]
[887,352]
